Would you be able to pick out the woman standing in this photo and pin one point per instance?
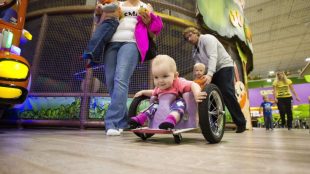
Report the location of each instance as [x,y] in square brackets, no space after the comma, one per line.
[282,90]
[120,60]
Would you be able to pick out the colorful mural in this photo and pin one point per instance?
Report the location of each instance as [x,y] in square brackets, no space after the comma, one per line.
[47,108]
[226,18]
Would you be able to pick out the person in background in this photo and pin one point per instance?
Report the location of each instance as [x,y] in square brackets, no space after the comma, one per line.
[199,72]
[167,81]
[265,107]
[282,90]
[209,51]
[120,60]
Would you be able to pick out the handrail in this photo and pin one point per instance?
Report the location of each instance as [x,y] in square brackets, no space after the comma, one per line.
[172,7]
[90,9]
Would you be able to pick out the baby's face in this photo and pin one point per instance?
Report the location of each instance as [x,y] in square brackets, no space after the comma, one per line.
[163,76]
[199,72]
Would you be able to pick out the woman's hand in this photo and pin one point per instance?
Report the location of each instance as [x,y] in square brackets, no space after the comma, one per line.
[146,18]
[207,79]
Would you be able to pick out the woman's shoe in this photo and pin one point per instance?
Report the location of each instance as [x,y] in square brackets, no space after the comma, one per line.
[113,132]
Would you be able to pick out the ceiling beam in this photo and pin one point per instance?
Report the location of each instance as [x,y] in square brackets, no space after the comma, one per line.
[257,5]
[257,49]
[281,38]
[288,13]
[277,29]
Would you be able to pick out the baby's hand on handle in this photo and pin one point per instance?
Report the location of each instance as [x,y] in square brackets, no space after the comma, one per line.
[138,94]
[200,96]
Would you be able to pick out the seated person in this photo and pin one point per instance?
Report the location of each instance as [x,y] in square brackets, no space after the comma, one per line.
[199,72]
[167,81]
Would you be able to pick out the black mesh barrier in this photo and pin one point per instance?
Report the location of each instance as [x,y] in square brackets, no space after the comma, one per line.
[28,49]
[60,69]
[61,48]
[171,42]
[189,5]
[34,5]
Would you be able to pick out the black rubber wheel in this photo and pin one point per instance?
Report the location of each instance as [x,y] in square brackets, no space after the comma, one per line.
[177,138]
[138,104]
[212,115]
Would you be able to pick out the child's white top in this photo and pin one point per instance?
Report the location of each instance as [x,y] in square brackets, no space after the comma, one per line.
[127,24]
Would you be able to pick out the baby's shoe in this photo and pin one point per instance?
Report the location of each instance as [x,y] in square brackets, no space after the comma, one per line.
[87,56]
[91,64]
[137,121]
[169,123]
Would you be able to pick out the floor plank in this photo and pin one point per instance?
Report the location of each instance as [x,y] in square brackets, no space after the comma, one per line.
[91,151]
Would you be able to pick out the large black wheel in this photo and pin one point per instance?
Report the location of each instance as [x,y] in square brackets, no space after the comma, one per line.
[212,115]
[137,105]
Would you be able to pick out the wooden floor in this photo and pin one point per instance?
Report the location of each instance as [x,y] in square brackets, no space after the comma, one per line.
[32,151]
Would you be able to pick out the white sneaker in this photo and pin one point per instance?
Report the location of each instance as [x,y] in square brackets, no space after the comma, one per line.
[113,132]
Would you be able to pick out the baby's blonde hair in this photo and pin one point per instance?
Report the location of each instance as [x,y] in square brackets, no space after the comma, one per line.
[167,60]
[200,65]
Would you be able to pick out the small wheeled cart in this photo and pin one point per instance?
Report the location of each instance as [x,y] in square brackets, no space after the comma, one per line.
[209,115]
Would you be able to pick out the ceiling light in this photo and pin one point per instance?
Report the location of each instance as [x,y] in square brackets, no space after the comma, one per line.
[271,72]
[307,59]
